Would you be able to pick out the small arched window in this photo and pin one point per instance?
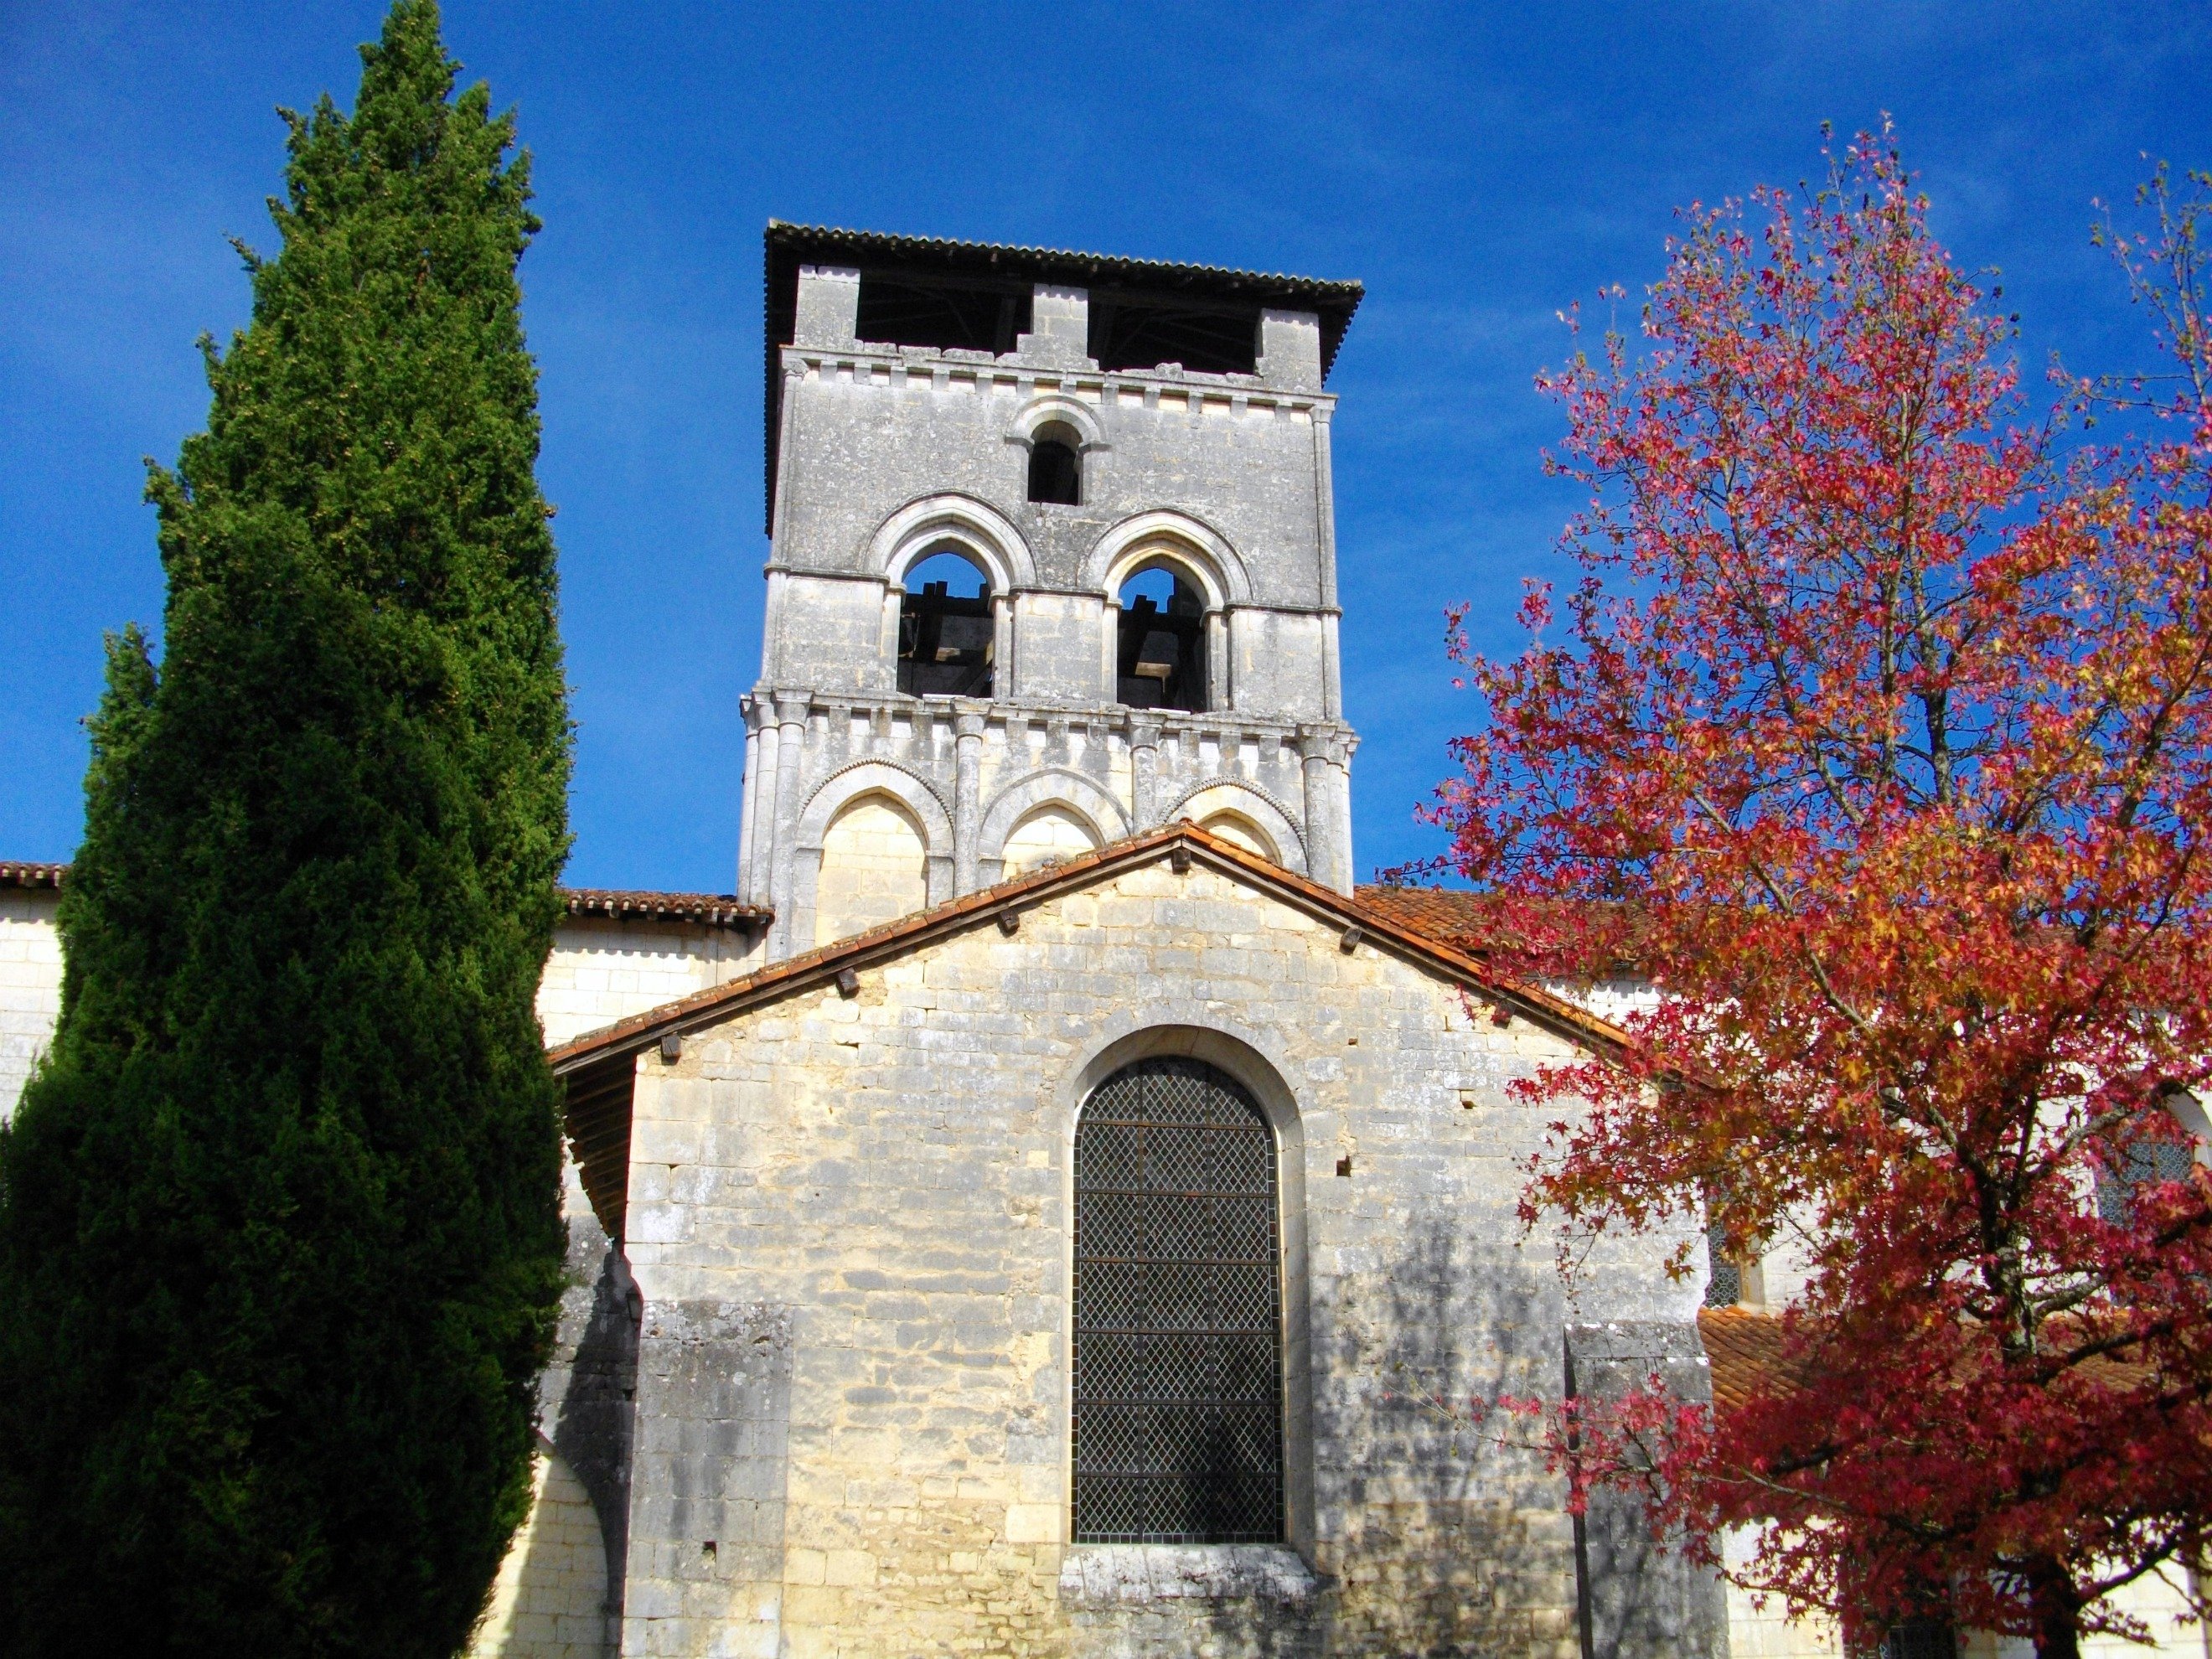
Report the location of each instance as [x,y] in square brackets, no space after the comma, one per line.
[1161,659]
[1737,1277]
[2159,1147]
[1178,1417]
[946,630]
[1056,465]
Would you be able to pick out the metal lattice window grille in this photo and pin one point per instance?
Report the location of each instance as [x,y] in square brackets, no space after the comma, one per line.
[1178,1302]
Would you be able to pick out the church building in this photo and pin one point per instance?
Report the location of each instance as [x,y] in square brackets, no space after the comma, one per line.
[1048,1208]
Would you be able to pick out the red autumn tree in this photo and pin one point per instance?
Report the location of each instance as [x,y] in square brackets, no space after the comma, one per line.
[1878,729]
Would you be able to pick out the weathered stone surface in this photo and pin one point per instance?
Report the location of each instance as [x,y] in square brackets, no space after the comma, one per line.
[30,984]
[1228,1600]
[706,1561]
[894,1169]
[1641,1599]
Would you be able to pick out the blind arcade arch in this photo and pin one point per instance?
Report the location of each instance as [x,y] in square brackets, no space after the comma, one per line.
[1177,1424]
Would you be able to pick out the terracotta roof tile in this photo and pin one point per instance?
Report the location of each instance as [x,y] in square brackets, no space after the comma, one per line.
[711,910]
[822,963]
[1745,1347]
[1472,921]
[1458,917]
[624,904]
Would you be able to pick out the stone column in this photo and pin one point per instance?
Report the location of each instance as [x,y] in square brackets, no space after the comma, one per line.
[1324,853]
[1002,645]
[1341,771]
[791,749]
[748,810]
[967,815]
[1332,693]
[1144,773]
[756,847]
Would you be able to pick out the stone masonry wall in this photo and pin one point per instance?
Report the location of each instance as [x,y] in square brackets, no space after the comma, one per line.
[601,970]
[891,1174]
[30,984]
[549,1599]
[873,870]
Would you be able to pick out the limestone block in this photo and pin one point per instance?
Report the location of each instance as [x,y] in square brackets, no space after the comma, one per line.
[872,869]
[1642,1598]
[30,986]
[828,306]
[550,1599]
[1048,835]
[706,1548]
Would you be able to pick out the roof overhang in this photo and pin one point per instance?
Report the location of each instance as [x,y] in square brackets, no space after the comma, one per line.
[599,1066]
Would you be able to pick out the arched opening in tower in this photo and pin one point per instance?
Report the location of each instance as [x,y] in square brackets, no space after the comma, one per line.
[1056,466]
[946,628]
[1161,661]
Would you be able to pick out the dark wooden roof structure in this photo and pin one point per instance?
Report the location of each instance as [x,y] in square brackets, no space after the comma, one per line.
[788,246]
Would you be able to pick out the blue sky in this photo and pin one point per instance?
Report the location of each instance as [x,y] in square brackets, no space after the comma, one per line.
[1478,167]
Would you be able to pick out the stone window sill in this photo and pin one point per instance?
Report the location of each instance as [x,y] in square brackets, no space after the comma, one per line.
[1105,1575]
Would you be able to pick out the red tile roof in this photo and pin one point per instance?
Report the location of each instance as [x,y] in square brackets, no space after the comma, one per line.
[1460,918]
[1473,921]
[709,909]
[622,904]
[1745,1347]
[600,1065]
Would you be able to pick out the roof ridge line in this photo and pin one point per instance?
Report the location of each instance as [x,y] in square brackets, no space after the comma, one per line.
[822,963]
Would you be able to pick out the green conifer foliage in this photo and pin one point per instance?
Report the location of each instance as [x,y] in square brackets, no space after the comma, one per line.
[280,1241]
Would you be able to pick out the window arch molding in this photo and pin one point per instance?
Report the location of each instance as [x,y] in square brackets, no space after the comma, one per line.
[1196,547]
[2188,1110]
[877,777]
[1056,786]
[951,523]
[1246,1058]
[1211,795]
[1057,409]
[840,790]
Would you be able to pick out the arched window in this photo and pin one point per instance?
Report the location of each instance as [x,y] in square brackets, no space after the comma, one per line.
[1056,465]
[946,628]
[1161,659]
[1178,1423]
[2161,1147]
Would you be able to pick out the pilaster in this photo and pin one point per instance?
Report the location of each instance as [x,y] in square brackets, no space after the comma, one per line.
[1144,773]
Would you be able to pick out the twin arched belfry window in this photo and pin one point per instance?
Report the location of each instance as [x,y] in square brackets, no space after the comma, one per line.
[1178,1426]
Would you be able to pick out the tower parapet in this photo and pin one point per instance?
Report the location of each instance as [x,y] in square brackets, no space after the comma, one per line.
[1053,561]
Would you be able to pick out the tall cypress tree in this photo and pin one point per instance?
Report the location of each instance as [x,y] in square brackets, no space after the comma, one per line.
[280,1242]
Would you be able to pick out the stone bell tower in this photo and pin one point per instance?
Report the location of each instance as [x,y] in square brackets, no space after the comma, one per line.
[1053,561]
